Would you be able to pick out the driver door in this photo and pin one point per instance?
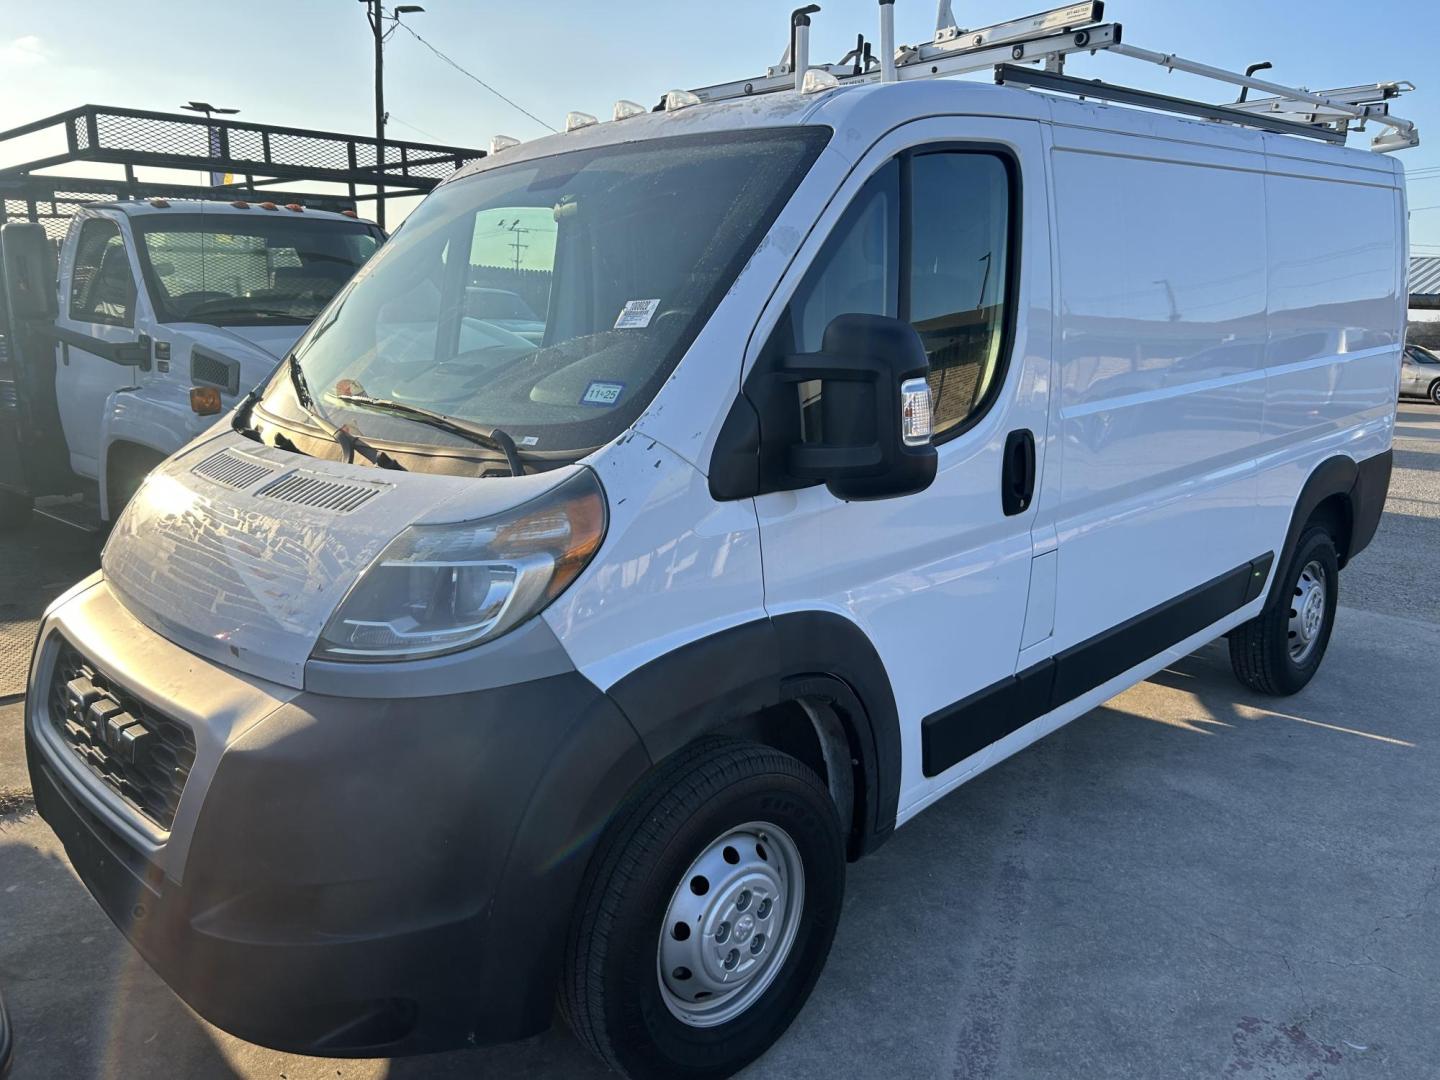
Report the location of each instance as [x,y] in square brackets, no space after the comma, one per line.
[929,229]
[98,300]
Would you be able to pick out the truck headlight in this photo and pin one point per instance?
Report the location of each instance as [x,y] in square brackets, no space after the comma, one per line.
[439,588]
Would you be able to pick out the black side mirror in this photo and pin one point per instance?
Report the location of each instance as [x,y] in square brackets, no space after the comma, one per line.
[870,433]
[874,410]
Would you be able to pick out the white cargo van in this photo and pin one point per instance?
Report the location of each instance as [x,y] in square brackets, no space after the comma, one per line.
[875,430]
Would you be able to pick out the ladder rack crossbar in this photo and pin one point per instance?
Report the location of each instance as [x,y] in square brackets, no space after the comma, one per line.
[928,62]
[1010,75]
[1048,37]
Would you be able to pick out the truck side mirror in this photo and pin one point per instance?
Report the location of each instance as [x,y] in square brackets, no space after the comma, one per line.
[874,410]
[28,273]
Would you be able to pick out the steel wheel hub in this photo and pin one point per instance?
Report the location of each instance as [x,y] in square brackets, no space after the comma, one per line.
[1307,611]
[730,924]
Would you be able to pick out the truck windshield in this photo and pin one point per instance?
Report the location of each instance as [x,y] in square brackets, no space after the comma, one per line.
[248,269]
[549,298]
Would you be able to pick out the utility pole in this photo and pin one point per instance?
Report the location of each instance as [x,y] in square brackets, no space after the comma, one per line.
[375,12]
[517,231]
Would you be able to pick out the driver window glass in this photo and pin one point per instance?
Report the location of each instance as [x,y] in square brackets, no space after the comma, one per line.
[958,269]
[856,272]
[102,288]
[927,240]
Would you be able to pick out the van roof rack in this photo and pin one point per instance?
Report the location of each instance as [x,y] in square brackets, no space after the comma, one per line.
[1048,38]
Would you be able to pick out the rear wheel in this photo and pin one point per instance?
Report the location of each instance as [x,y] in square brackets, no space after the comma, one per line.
[706,914]
[1435,392]
[1279,650]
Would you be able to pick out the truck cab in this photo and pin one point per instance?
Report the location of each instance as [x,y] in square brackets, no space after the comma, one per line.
[165,314]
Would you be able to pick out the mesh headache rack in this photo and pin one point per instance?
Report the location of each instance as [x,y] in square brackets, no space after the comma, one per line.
[256,157]
[1047,38]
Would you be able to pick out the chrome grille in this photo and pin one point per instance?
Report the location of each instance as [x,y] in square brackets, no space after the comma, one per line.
[140,754]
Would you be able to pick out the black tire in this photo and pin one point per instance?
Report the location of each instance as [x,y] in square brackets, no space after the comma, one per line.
[14,511]
[611,994]
[1435,392]
[129,471]
[1261,649]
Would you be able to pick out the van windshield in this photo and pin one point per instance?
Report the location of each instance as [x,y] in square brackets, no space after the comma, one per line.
[549,298]
[254,268]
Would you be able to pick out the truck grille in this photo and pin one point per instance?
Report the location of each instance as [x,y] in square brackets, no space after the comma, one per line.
[140,754]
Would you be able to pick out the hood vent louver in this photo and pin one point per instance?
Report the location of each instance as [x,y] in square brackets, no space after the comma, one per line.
[305,489]
[233,470]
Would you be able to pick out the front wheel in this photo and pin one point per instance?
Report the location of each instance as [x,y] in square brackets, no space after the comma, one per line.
[706,915]
[1435,392]
[14,511]
[1279,650]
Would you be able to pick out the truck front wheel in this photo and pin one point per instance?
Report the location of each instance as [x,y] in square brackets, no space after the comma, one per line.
[706,915]
[14,511]
[125,472]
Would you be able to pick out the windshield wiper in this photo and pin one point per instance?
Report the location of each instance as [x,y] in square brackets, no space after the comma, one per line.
[348,441]
[491,437]
[237,312]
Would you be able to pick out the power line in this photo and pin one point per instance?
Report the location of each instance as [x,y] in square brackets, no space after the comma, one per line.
[390,117]
[472,76]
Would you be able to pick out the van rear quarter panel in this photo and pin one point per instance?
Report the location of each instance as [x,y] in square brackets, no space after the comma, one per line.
[1161,383]
[1336,262]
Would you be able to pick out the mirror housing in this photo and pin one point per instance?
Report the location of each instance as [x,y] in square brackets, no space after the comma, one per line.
[872,371]
[873,420]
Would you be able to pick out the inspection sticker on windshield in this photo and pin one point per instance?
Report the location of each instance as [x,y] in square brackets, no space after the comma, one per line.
[602,393]
[636,314]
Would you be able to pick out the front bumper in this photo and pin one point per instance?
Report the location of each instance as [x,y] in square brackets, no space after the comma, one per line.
[344,876]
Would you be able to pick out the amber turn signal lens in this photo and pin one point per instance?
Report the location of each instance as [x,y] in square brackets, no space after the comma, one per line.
[204,400]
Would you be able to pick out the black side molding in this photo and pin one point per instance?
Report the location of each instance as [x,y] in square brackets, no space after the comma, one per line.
[968,726]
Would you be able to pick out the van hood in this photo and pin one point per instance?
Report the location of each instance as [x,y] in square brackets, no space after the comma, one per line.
[241,552]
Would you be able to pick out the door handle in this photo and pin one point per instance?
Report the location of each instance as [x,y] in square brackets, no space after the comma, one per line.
[1017,480]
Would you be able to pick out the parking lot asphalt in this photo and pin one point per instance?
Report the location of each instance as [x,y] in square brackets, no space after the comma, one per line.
[1190,881]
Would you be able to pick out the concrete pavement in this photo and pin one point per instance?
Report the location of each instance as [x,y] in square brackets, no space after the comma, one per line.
[1187,882]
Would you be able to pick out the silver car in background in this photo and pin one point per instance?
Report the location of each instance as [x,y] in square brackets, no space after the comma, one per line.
[1420,374]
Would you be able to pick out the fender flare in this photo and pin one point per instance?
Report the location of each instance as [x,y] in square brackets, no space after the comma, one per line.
[1362,484]
[697,688]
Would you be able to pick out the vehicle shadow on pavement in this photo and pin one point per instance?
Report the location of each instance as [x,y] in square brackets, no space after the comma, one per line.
[84,1004]
[81,1001]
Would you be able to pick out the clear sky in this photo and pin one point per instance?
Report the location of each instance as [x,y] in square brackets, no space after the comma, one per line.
[307,63]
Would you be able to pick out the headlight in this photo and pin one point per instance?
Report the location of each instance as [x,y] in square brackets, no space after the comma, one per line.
[439,588]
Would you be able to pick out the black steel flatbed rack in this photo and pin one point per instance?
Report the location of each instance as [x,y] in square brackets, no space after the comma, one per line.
[260,156]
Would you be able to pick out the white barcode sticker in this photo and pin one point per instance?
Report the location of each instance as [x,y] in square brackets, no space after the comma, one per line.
[636,314]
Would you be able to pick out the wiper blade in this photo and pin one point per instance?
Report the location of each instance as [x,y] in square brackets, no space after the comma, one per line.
[348,441]
[240,310]
[491,437]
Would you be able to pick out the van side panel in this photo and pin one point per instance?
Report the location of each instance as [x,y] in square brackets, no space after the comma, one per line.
[1161,380]
[1335,237]
[1334,340]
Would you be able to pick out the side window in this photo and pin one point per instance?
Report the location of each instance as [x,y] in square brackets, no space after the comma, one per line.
[958,271]
[102,288]
[927,240]
[858,270]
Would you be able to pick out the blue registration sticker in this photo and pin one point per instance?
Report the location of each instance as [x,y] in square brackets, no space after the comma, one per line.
[602,393]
